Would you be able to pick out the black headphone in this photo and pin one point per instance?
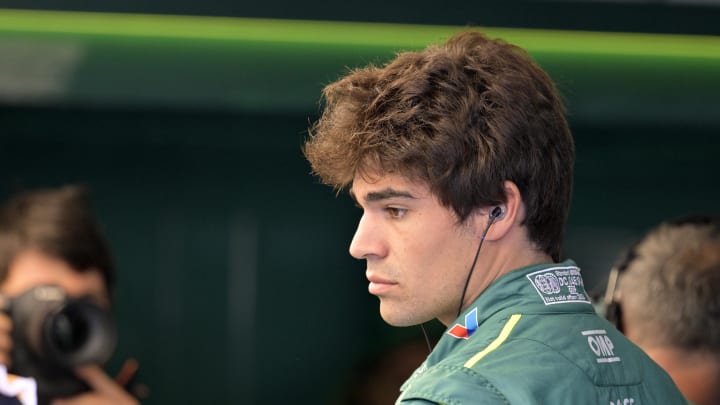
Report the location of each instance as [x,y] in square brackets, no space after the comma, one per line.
[497,213]
[613,309]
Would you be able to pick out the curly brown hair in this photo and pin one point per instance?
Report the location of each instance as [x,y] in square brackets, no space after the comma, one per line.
[462,117]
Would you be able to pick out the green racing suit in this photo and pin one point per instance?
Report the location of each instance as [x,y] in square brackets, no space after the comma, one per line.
[533,337]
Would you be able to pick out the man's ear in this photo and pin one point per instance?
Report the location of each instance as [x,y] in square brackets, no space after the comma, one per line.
[503,216]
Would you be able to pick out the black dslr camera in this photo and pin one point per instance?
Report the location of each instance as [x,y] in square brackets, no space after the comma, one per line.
[52,334]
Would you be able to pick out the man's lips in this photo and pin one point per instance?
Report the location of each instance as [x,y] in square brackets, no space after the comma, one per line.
[379,285]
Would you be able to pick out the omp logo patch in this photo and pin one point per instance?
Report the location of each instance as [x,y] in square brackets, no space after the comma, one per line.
[465,331]
[558,285]
[601,345]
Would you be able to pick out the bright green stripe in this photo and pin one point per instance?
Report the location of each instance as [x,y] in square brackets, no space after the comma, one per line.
[504,333]
[348,33]
[292,31]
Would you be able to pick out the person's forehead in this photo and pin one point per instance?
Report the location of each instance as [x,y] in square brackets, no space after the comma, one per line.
[364,183]
[31,268]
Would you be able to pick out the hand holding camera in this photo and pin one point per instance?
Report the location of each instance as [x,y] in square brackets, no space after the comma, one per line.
[60,341]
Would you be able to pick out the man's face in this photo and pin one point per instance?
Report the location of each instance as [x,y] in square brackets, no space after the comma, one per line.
[417,254]
[31,268]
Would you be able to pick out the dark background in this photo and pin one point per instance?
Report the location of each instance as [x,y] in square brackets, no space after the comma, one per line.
[235,285]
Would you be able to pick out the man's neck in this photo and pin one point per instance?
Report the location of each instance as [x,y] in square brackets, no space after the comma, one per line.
[499,260]
[513,252]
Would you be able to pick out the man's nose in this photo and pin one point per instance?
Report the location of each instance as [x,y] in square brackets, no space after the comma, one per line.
[368,241]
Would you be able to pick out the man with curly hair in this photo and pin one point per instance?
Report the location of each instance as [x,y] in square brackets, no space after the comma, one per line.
[461,160]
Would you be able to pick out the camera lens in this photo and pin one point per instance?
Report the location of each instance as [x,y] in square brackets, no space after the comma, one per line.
[76,333]
[69,330]
[53,333]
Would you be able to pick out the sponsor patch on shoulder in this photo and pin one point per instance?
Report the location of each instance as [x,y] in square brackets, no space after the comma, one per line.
[557,285]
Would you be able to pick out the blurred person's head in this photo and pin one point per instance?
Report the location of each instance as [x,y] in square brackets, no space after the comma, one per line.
[51,236]
[56,278]
[664,294]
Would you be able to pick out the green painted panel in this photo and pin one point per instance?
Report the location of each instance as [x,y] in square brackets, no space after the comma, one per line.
[261,65]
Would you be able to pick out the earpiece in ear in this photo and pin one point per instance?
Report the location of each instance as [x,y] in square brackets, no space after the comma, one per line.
[498,212]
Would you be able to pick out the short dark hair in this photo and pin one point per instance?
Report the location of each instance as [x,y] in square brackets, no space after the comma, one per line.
[59,223]
[669,284]
[463,117]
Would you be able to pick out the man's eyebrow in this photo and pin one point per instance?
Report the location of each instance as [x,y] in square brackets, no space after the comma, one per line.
[384,194]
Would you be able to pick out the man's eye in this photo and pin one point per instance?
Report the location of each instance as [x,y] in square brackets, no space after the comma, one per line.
[395,212]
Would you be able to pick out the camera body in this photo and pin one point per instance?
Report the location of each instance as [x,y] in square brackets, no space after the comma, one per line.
[52,334]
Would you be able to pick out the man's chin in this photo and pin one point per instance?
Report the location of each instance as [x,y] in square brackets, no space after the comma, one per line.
[396,317]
